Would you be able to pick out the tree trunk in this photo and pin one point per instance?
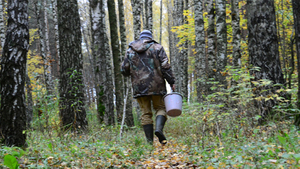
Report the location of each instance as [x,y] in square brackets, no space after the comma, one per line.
[200,49]
[72,110]
[119,81]
[88,69]
[2,25]
[183,59]
[149,13]
[296,11]
[263,48]
[127,84]
[171,34]
[48,70]
[12,75]
[160,20]
[177,54]
[236,33]
[211,70]
[29,101]
[221,40]
[102,65]
[46,64]
[136,10]
[54,11]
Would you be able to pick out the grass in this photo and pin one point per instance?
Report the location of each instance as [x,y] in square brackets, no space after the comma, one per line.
[193,142]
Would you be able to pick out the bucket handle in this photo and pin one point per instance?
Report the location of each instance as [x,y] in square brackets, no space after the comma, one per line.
[172,89]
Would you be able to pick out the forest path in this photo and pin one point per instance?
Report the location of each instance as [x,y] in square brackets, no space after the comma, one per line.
[171,155]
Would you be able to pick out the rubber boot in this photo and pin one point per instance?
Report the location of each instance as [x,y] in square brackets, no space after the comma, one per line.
[159,126]
[148,129]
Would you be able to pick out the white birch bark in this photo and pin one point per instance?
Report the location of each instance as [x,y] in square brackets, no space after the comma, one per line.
[102,62]
[211,44]
[200,49]
[221,39]
[160,21]
[136,10]
[54,11]
[48,71]
[184,56]
[12,76]
[2,24]
[236,33]
[150,15]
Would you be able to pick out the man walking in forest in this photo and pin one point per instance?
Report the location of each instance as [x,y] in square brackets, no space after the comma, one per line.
[147,63]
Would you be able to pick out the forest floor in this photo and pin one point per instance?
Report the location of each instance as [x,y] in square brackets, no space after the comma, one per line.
[194,141]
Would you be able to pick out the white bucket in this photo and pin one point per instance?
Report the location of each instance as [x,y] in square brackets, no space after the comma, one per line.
[173,103]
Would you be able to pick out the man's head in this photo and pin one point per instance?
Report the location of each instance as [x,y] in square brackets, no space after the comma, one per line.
[146,34]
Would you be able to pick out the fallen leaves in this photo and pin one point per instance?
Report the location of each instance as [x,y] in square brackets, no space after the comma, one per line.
[172,155]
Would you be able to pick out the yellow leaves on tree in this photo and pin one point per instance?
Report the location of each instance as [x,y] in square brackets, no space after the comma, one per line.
[34,65]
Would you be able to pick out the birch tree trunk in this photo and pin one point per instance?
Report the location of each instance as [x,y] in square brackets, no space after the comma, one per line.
[129,121]
[200,49]
[12,75]
[102,63]
[236,33]
[263,49]
[171,34]
[149,15]
[160,20]
[183,59]
[119,81]
[221,40]
[54,11]
[47,60]
[136,10]
[88,71]
[211,46]
[177,54]
[46,64]
[2,25]
[72,110]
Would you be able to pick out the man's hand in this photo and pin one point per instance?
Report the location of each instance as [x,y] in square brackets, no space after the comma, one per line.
[173,87]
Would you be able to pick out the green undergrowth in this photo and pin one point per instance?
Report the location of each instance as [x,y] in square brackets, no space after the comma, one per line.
[194,141]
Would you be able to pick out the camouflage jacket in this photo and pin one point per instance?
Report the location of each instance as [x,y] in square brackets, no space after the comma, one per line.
[147,63]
